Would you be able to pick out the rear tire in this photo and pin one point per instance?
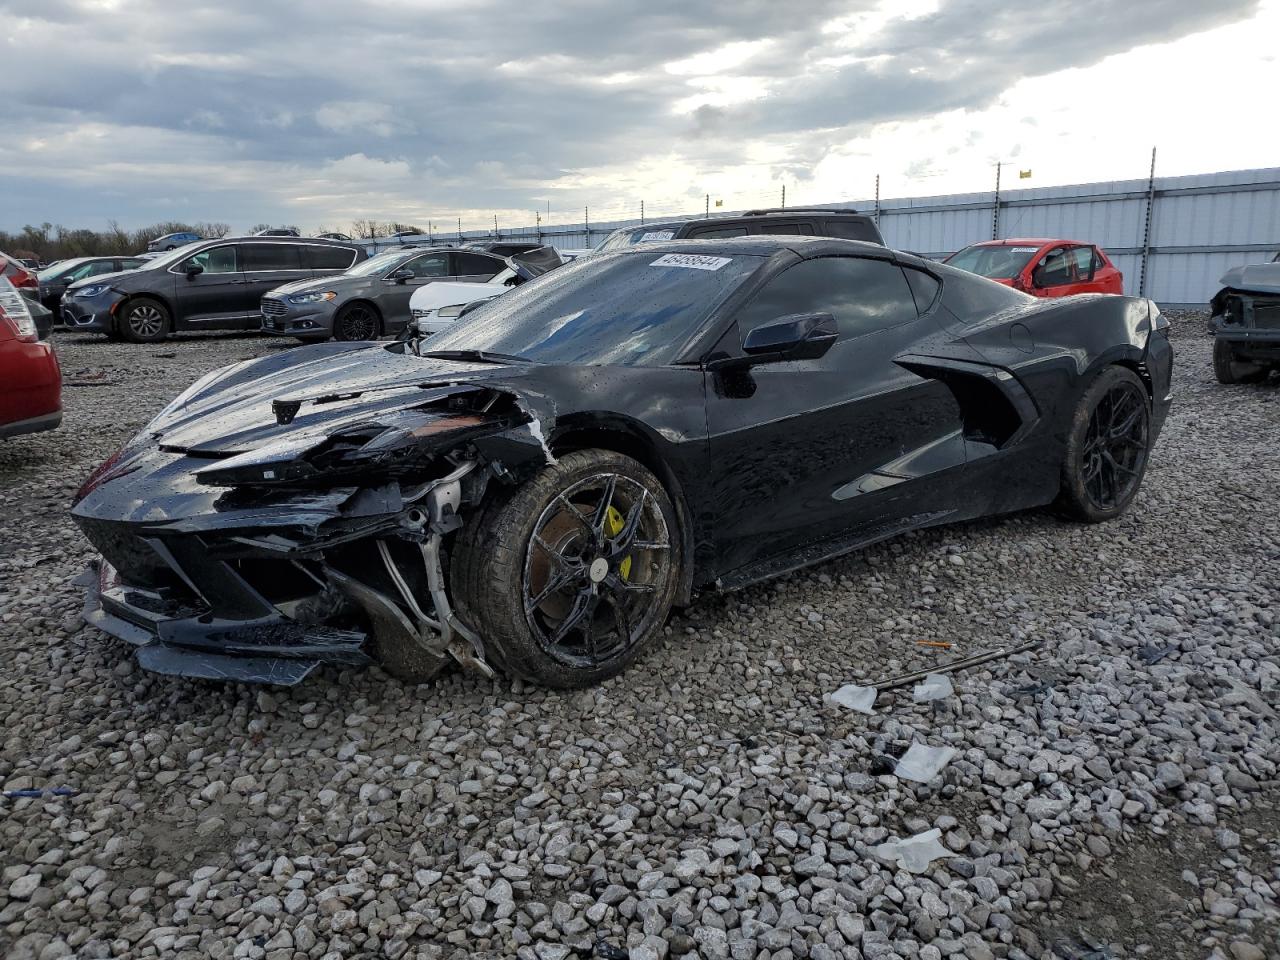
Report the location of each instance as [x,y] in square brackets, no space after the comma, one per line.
[606,533]
[1229,370]
[1108,445]
[144,320]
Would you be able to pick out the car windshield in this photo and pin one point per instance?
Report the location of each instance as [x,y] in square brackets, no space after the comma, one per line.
[169,257]
[380,263]
[58,269]
[629,309]
[997,262]
[629,238]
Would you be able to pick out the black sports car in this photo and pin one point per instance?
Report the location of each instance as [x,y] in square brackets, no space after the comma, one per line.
[536,487]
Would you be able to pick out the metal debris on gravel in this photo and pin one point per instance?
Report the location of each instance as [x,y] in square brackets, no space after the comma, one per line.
[1120,780]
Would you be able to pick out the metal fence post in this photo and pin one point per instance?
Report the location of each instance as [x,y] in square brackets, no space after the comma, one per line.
[642,213]
[995,211]
[1146,229]
[586,223]
[784,196]
[877,201]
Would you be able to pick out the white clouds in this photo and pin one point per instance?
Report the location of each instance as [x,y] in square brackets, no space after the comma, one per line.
[355,116]
[315,111]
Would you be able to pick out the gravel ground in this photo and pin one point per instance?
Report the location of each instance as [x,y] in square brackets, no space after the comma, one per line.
[1113,793]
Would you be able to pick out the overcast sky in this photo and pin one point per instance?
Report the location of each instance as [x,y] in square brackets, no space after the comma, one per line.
[318,112]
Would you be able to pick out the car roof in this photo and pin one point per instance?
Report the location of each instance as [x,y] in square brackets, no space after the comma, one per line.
[764,245]
[1023,242]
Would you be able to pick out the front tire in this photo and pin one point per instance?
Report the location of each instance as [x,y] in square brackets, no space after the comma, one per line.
[357,321]
[1108,446]
[1229,370]
[570,577]
[144,320]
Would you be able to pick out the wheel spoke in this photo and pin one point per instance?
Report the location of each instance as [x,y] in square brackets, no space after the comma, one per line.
[554,585]
[617,585]
[583,605]
[621,622]
[623,543]
[601,516]
[576,513]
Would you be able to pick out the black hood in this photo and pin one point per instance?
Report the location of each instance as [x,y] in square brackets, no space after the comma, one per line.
[243,407]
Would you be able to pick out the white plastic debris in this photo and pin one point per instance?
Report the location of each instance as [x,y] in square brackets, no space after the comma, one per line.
[855,697]
[921,763]
[936,686]
[914,854]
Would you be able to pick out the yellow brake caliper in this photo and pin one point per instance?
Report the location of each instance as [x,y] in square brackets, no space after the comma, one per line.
[613,524]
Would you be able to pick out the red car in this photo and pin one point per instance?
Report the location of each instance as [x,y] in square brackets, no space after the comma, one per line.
[30,380]
[1042,268]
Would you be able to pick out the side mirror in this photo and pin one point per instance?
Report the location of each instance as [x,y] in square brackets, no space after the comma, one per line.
[402,275]
[798,336]
[194,270]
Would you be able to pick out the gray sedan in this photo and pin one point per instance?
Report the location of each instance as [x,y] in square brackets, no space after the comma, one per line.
[370,299]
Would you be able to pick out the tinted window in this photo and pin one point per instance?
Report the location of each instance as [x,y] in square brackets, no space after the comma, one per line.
[863,295]
[327,258]
[714,233]
[627,309]
[784,229]
[852,230]
[213,260]
[923,287]
[91,269]
[432,266]
[1054,269]
[131,264]
[475,264]
[270,256]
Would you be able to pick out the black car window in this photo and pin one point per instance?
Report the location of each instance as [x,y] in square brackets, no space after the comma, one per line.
[847,229]
[630,309]
[863,295]
[259,257]
[327,258]
[1083,257]
[214,260]
[91,269]
[784,229]
[716,233]
[131,264]
[1054,268]
[923,287]
[476,264]
[431,266]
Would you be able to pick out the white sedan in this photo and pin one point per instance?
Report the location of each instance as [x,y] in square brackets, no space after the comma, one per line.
[436,305]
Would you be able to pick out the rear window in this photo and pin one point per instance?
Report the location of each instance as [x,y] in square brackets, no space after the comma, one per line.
[327,258]
[849,229]
[270,256]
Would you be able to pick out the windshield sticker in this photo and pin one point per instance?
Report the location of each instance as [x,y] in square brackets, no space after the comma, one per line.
[692,261]
[1024,249]
[656,236]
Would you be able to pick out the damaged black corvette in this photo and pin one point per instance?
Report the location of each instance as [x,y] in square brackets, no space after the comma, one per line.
[535,488]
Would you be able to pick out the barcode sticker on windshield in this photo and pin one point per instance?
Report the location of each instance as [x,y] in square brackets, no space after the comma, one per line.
[657,236]
[1024,249]
[692,261]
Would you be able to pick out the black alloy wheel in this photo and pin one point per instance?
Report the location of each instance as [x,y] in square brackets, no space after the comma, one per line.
[359,321]
[570,576]
[1108,446]
[591,570]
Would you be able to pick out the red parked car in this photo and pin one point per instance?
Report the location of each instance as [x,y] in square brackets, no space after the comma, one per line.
[18,273]
[1042,268]
[30,380]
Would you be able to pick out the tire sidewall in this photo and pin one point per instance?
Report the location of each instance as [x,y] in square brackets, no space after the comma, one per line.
[125,329]
[504,610]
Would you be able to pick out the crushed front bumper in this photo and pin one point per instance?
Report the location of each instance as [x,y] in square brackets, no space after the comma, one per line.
[271,649]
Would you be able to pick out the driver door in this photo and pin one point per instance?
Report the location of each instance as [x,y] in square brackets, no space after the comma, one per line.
[393,301]
[823,454]
[216,298]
